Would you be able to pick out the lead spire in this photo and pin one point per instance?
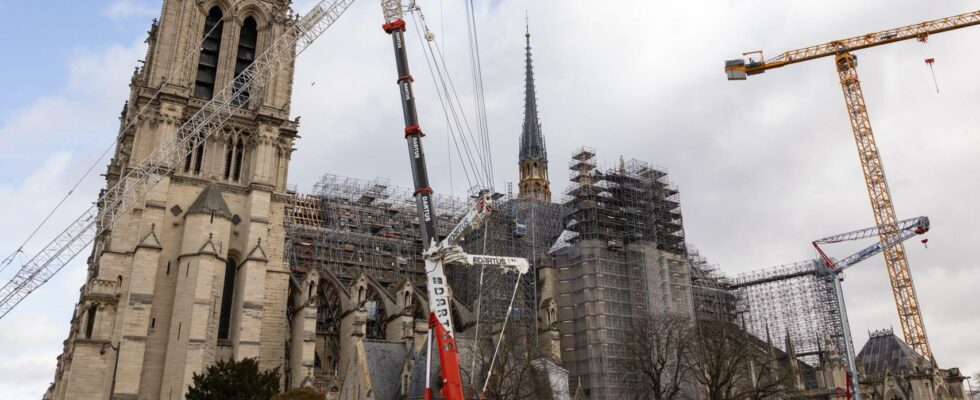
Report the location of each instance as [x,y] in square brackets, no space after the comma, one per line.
[533,158]
[532,140]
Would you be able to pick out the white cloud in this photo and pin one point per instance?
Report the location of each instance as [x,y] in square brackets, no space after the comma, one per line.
[47,145]
[121,9]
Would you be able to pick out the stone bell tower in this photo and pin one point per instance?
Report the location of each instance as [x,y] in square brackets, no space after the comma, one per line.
[194,272]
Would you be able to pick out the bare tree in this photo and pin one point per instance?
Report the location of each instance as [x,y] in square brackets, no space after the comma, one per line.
[734,365]
[661,357]
[515,375]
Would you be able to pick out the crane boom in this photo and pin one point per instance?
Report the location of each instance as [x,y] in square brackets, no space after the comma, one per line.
[908,228]
[740,68]
[896,262]
[446,251]
[163,160]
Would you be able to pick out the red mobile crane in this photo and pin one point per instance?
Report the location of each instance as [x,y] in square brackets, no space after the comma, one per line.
[446,251]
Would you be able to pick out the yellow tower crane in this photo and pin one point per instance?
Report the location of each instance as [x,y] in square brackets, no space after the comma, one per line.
[910,315]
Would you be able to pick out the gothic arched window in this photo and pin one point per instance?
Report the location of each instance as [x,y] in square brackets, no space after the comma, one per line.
[247,41]
[377,315]
[227,292]
[195,156]
[207,64]
[234,156]
[239,151]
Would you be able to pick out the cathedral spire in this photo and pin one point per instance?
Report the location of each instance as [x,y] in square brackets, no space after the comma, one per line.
[532,140]
[533,155]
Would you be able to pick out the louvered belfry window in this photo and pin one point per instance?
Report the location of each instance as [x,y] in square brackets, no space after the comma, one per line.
[247,40]
[207,64]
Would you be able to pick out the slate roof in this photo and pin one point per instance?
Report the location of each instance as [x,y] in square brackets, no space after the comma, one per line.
[416,384]
[385,362]
[210,201]
[885,351]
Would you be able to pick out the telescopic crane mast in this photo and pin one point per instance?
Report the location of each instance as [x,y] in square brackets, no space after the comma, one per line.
[910,315]
[445,251]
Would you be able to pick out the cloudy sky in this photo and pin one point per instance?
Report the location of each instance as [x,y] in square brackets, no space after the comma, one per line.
[764,166]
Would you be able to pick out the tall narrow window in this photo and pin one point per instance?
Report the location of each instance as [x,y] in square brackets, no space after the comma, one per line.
[224,320]
[195,156]
[199,155]
[234,156]
[207,65]
[229,157]
[247,40]
[90,322]
[239,151]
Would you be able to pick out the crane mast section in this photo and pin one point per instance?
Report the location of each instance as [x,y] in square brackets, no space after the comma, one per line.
[896,262]
[915,31]
[440,315]
[163,160]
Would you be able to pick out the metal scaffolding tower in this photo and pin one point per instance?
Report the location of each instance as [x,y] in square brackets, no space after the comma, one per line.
[796,298]
[622,256]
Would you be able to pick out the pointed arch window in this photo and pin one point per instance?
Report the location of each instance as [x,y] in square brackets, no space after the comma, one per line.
[234,157]
[227,293]
[376,317]
[195,155]
[247,42]
[207,64]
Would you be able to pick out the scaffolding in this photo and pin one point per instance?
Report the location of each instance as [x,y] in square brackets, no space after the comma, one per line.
[349,226]
[622,256]
[714,299]
[518,227]
[796,299]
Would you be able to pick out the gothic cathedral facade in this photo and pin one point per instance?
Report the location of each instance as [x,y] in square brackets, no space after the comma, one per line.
[194,272]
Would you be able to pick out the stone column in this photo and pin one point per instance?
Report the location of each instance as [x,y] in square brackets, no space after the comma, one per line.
[303,336]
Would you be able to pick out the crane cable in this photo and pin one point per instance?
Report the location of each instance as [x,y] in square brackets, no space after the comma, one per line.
[478,90]
[479,302]
[20,249]
[482,124]
[468,147]
[496,350]
[448,110]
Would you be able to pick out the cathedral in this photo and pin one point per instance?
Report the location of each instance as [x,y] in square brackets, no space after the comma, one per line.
[193,273]
[221,260]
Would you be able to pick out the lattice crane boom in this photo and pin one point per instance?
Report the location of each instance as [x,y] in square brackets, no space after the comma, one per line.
[166,157]
[906,301]
[739,69]
[906,228]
